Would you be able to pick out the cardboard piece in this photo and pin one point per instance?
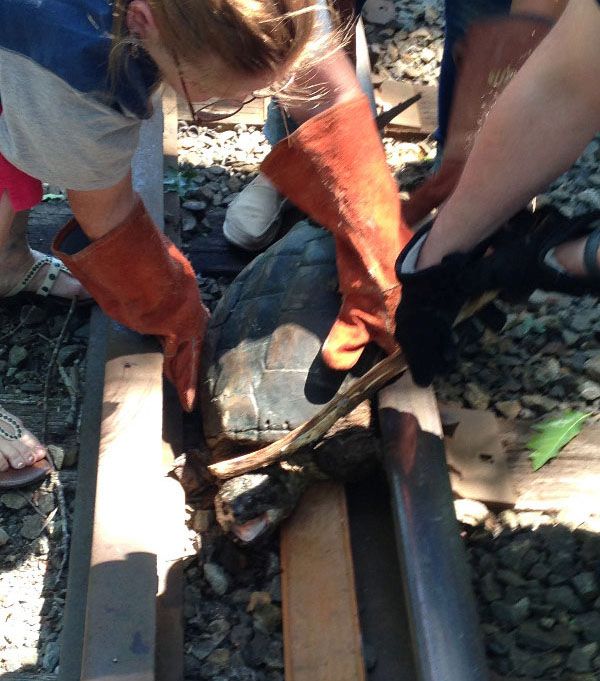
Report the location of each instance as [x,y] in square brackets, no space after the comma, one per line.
[392,92]
[476,456]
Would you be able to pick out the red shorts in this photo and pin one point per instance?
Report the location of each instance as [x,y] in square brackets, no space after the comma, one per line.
[23,190]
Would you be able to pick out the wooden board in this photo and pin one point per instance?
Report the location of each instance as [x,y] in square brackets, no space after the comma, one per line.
[570,481]
[320,615]
[120,618]
[254,113]
[476,457]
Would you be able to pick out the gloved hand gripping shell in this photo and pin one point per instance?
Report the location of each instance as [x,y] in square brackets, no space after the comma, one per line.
[334,169]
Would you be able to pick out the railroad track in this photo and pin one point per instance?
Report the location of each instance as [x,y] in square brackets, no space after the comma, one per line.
[124,602]
[391,568]
[349,574]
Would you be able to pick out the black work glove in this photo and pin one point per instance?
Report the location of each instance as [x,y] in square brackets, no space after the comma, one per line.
[519,262]
[430,305]
[513,262]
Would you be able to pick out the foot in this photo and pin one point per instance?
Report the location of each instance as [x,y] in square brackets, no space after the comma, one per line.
[570,256]
[18,447]
[15,267]
[253,218]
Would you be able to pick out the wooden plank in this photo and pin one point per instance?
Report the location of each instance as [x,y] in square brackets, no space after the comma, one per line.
[120,622]
[254,113]
[475,455]
[321,631]
[169,619]
[392,92]
[573,478]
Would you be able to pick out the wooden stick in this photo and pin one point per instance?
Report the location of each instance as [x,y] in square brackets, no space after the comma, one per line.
[319,424]
[310,431]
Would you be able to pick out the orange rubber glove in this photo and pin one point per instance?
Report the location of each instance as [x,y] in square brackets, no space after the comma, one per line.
[140,279]
[334,169]
[489,55]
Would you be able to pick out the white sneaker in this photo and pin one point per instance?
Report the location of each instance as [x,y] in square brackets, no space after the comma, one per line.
[254,216]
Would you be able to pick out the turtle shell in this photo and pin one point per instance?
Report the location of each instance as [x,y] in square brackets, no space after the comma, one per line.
[262,370]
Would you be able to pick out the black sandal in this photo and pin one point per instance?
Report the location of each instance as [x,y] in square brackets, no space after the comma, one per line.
[522,260]
[556,278]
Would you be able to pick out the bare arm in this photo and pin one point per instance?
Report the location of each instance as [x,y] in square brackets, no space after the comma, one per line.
[538,127]
[334,77]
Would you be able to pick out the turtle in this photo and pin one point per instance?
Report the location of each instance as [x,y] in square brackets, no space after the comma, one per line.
[263,376]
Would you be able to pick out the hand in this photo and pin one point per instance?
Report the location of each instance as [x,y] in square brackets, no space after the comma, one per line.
[513,263]
[155,293]
[431,302]
[334,169]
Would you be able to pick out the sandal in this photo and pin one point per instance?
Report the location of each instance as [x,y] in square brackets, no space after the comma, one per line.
[44,290]
[11,429]
[559,279]
[523,257]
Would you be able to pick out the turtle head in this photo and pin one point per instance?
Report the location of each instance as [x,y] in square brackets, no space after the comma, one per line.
[252,506]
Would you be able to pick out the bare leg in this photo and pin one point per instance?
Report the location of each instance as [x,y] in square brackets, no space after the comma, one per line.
[570,257]
[16,257]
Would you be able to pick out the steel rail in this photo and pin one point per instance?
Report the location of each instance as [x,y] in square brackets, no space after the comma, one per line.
[443,618]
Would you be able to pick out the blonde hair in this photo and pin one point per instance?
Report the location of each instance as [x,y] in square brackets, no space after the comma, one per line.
[250,37]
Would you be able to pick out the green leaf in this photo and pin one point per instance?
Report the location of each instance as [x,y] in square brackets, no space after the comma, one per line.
[181,180]
[553,436]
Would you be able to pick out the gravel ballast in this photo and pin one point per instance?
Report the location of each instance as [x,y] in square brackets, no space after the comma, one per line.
[529,571]
[536,575]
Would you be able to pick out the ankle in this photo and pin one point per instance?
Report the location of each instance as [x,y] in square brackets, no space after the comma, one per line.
[15,254]
[570,257]
[15,261]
